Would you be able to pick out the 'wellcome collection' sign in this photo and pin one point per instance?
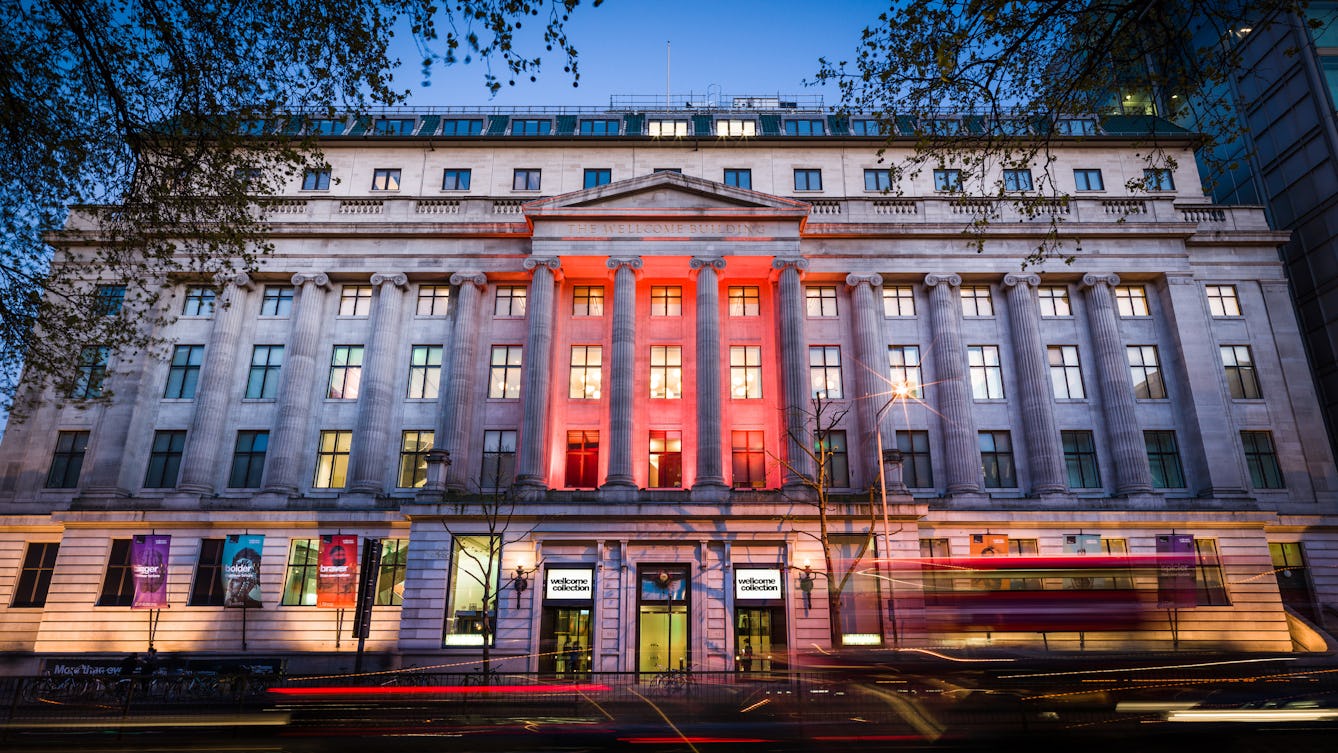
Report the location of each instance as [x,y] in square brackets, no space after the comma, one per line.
[757,584]
[570,584]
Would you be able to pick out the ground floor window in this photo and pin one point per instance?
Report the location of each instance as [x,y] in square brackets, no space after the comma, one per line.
[471,605]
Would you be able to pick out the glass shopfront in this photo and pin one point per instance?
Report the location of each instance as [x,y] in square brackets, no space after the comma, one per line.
[566,625]
[759,620]
[663,635]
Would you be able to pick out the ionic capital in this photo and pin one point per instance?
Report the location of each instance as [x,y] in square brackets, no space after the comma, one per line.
[700,262]
[552,262]
[1092,280]
[319,279]
[1011,280]
[951,280]
[800,264]
[398,279]
[477,279]
[633,263]
[240,279]
[873,280]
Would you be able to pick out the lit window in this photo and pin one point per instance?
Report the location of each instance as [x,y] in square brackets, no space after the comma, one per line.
[526,179]
[277,300]
[184,374]
[476,568]
[262,382]
[831,450]
[499,459]
[587,300]
[744,300]
[666,300]
[332,460]
[820,300]
[1145,370]
[739,177]
[996,460]
[582,460]
[509,301]
[424,372]
[386,179]
[1158,180]
[877,180]
[1262,459]
[745,372]
[666,372]
[390,579]
[599,127]
[986,372]
[1242,380]
[917,471]
[393,127]
[345,372]
[736,127]
[118,584]
[597,176]
[667,128]
[433,300]
[898,300]
[947,180]
[199,302]
[1131,300]
[748,456]
[165,459]
[39,564]
[414,445]
[904,365]
[586,378]
[527,127]
[1222,300]
[976,300]
[68,460]
[1054,301]
[1065,372]
[504,372]
[1088,180]
[355,300]
[824,371]
[299,582]
[666,460]
[807,127]
[1164,460]
[108,300]
[1017,180]
[92,373]
[807,180]
[316,180]
[455,179]
[1080,459]
[1209,584]
[454,127]
[248,459]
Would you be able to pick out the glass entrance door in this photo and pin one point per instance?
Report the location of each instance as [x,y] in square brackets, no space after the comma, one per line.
[564,640]
[664,638]
[759,639]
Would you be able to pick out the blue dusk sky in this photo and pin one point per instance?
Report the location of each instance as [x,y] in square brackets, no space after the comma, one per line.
[732,46]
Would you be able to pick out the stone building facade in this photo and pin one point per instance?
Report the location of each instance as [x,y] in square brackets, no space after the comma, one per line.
[595,338]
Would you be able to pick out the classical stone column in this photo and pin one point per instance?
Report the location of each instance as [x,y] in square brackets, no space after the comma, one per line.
[531,473]
[794,370]
[283,462]
[372,433]
[960,443]
[206,439]
[1045,456]
[1128,450]
[455,402]
[872,387]
[622,373]
[710,474]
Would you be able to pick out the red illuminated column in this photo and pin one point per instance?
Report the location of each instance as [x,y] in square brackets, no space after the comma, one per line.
[456,400]
[871,383]
[298,379]
[710,475]
[1128,450]
[530,476]
[794,369]
[960,443]
[622,373]
[372,432]
[1044,455]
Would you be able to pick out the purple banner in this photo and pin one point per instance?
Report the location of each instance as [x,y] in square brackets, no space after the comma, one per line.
[1175,571]
[148,566]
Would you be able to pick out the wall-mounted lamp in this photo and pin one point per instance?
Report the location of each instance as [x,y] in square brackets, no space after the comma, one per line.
[521,582]
[806,586]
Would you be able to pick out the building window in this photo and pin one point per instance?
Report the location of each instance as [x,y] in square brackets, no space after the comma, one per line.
[390,579]
[424,372]
[1242,381]
[108,300]
[262,382]
[455,127]
[748,459]
[526,179]
[1065,372]
[345,372]
[597,176]
[1017,180]
[92,373]
[332,460]
[277,300]
[745,300]
[831,448]
[666,300]
[1164,460]
[509,301]
[824,371]
[165,459]
[736,127]
[393,127]
[745,372]
[805,127]
[916,470]
[666,460]
[820,300]
[947,180]
[199,302]
[1145,370]
[68,460]
[904,370]
[739,177]
[996,460]
[355,300]
[877,180]
[118,583]
[504,372]
[433,300]
[582,459]
[867,128]
[414,445]
[1075,126]
[316,180]
[1262,459]
[1131,300]
[1222,300]
[385,179]
[587,300]
[807,180]
[248,459]
[667,128]
[499,459]
[456,179]
[1158,180]
[1088,180]
[325,127]
[898,300]
[299,582]
[476,569]
[586,380]
[976,300]
[527,127]
[599,127]
[986,372]
[39,564]
[184,373]
[1208,579]
[666,372]
[1054,301]
[1080,459]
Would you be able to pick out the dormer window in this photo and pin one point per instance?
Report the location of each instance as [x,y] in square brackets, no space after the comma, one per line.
[867,128]
[461,127]
[667,128]
[942,126]
[1075,127]
[393,127]
[326,127]
[736,127]
[599,127]
[807,127]
[527,127]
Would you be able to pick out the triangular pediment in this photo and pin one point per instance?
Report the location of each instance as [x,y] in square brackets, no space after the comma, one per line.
[665,191]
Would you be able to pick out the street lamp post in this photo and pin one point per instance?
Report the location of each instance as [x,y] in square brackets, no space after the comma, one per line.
[899,391]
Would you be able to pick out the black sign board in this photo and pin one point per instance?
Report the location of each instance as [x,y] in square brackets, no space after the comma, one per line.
[371,567]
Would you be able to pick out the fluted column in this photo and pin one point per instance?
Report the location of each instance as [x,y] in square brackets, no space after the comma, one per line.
[283,463]
[372,433]
[710,470]
[794,370]
[960,443]
[1039,432]
[621,383]
[1128,450]
[200,463]
[535,379]
[871,384]
[455,402]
